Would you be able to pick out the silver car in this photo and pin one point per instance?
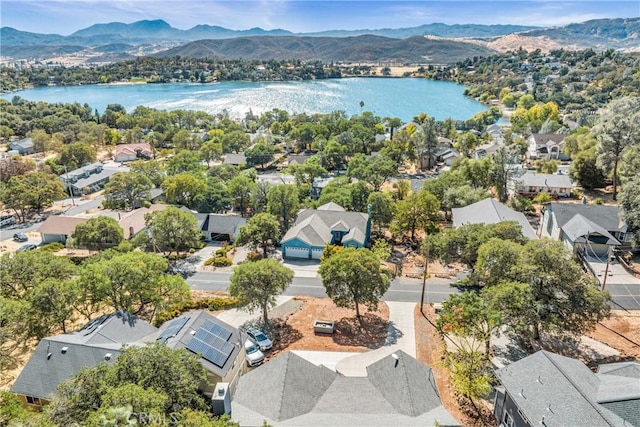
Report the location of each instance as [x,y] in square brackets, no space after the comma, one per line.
[259,338]
[252,355]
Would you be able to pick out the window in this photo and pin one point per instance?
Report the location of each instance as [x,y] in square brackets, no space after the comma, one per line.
[507,420]
[33,400]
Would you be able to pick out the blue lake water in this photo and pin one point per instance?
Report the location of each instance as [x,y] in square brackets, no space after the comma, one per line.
[386,97]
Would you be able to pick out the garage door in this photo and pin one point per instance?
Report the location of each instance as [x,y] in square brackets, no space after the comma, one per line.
[296,252]
[316,253]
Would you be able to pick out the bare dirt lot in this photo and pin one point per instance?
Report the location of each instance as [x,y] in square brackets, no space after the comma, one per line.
[294,330]
[621,331]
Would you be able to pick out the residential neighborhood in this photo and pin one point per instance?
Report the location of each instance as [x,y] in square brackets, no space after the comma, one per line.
[182,267]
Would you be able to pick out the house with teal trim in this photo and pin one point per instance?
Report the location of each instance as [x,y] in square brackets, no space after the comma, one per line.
[314,229]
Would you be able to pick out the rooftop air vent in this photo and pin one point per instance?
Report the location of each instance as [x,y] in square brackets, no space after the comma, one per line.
[107,356]
[63,350]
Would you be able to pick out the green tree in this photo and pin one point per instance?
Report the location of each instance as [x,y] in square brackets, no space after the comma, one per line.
[420,210]
[184,161]
[98,233]
[584,169]
[617,130]
[375,171]
[173,230]
[240,189]
[259,154]
[282,202]
[257,284]
[381,208]
[152,169]
[353,277]
[132,281]
[142,378]
[496,259]
[76,155]
[261,231]
[506,167]
[468,316]
[185,189]
[630,204]
[459,197]
[211,150]
[126,190]
[32,191]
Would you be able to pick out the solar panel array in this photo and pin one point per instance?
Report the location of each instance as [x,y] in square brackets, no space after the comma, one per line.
[172,329]
[211,341]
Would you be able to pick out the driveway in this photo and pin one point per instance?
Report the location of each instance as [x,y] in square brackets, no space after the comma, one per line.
[623,287]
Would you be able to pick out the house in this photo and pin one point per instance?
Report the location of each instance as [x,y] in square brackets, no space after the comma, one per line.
[531,184]
[490,211]
[318,185]
[130,152]
[297,159]
[277,179]
[218,344]
[218,227]
[291,391]
[133,222]
[485,150]
[447,156]
[23,146]
[596,229]
[88,179]
[235,159]
[546,389]
[546,146]
[59,228]
[314,229]
[57,358]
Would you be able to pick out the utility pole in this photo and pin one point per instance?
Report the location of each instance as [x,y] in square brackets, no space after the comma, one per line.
[606,269]
[73,202]
[424,274]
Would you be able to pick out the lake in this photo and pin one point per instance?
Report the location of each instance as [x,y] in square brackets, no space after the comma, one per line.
[404,98]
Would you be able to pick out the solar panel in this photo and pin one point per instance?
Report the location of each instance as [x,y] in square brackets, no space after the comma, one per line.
[216,356]
[172,329]
[217,330]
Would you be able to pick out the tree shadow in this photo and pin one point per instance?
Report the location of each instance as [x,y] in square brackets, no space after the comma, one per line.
[371,334]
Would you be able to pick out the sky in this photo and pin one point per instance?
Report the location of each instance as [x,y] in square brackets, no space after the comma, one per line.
[67,16]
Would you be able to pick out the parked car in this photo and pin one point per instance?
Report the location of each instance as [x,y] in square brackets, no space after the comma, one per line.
[259,338]
[7,220]
[27,247]
[20,237]
[252,355]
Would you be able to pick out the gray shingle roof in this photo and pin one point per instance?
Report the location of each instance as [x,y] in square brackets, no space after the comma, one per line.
[622,369]
[408,385]
[314,396]
[490,211]
[223,224]
[607,217]
[84,348]
[579,228]
[313,226]
[533,179]
[284,388]
[25,143]
[559,389]
[235,159]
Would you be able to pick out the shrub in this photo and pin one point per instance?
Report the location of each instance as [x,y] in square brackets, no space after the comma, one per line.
[213,304]
[542,198]
[146,204]
[597,201]
[521,204]
[52,247]
[253,256]
[192,251]
[221,252]
[209,261]
[221,261]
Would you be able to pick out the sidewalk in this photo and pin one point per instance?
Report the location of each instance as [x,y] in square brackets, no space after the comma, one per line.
[401,337]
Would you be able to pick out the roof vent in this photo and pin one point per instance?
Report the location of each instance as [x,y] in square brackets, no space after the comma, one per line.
[395,357]
[107,356]
[192,332]
[49,355]
[221,391]
[64,349]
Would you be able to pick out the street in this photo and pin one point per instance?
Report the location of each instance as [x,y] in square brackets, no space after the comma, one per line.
[403,290]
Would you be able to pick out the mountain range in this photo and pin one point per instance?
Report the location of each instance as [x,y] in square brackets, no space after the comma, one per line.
[116,41]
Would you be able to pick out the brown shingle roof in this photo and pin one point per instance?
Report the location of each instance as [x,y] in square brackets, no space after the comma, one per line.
[63,225]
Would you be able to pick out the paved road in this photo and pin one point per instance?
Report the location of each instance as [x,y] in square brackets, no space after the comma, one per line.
[8,232]
[405,290]
[83,206]
[625,296]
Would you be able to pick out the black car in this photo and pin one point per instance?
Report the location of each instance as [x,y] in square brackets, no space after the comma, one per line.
[20,237]
[27,247]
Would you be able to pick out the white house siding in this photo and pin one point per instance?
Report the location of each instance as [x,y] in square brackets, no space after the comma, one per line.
[316,253]
[50,238]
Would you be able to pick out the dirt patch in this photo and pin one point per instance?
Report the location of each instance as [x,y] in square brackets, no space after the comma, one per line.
[621,331]
[294,330]
[430,350]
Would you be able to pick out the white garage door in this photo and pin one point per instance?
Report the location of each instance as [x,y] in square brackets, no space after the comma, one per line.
[316,253]
[296,252]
